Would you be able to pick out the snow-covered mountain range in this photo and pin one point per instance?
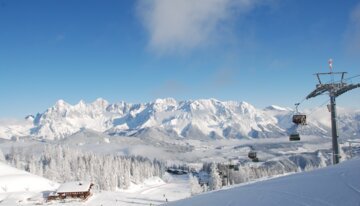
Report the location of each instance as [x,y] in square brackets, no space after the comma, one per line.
[198,119]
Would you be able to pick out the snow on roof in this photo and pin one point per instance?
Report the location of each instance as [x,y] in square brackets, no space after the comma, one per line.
[78,186]
[53,194]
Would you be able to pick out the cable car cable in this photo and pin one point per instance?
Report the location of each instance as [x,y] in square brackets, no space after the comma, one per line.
[353,77]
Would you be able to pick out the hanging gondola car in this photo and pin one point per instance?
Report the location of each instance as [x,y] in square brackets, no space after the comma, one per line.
[299,119]
[294,137]
[252,154]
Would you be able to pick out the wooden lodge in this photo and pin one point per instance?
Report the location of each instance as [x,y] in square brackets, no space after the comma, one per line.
[76,190]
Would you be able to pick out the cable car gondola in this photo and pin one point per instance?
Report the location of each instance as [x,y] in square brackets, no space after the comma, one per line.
[297,119]
[294,137]
[252,154]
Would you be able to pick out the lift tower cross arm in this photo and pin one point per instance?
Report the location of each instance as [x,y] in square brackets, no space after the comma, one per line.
[346,88]
[318,91]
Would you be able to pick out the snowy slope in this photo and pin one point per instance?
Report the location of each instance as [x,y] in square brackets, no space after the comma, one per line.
[19,186]
[194,119]
[334,185]
[14,180]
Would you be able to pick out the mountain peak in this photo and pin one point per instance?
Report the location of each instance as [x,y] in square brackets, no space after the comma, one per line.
[165,101]
[30,118]
[81,103]
[61,104]
[100,102]
[100,99]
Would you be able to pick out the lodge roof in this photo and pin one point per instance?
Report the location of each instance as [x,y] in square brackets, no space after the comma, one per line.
[77,186]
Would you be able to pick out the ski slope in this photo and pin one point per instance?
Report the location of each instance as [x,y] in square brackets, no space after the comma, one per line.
[14,180]
[333,185]
[18,186]
[153,191]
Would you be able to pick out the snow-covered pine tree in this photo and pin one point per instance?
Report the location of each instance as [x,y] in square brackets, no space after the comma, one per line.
[205,188]
[2,156]
[215,182]
[195,187]
[126,174]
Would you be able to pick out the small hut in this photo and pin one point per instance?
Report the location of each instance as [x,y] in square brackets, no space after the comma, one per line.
[77,190]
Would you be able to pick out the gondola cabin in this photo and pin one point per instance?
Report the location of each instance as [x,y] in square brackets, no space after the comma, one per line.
[299,119]
[252,154]
[294,137]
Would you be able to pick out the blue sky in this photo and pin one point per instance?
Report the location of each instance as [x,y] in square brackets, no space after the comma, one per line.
[262,51]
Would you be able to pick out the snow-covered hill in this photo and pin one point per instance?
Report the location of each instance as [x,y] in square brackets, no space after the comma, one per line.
[15,180]
[195,119]
[334,185]
[19,186]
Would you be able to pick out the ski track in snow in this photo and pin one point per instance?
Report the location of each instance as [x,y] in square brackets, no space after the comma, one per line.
[301,198]
[351,187]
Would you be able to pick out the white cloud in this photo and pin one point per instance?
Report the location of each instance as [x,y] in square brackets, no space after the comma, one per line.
[180,25]
[352,35]
[355,15]
[11,121]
